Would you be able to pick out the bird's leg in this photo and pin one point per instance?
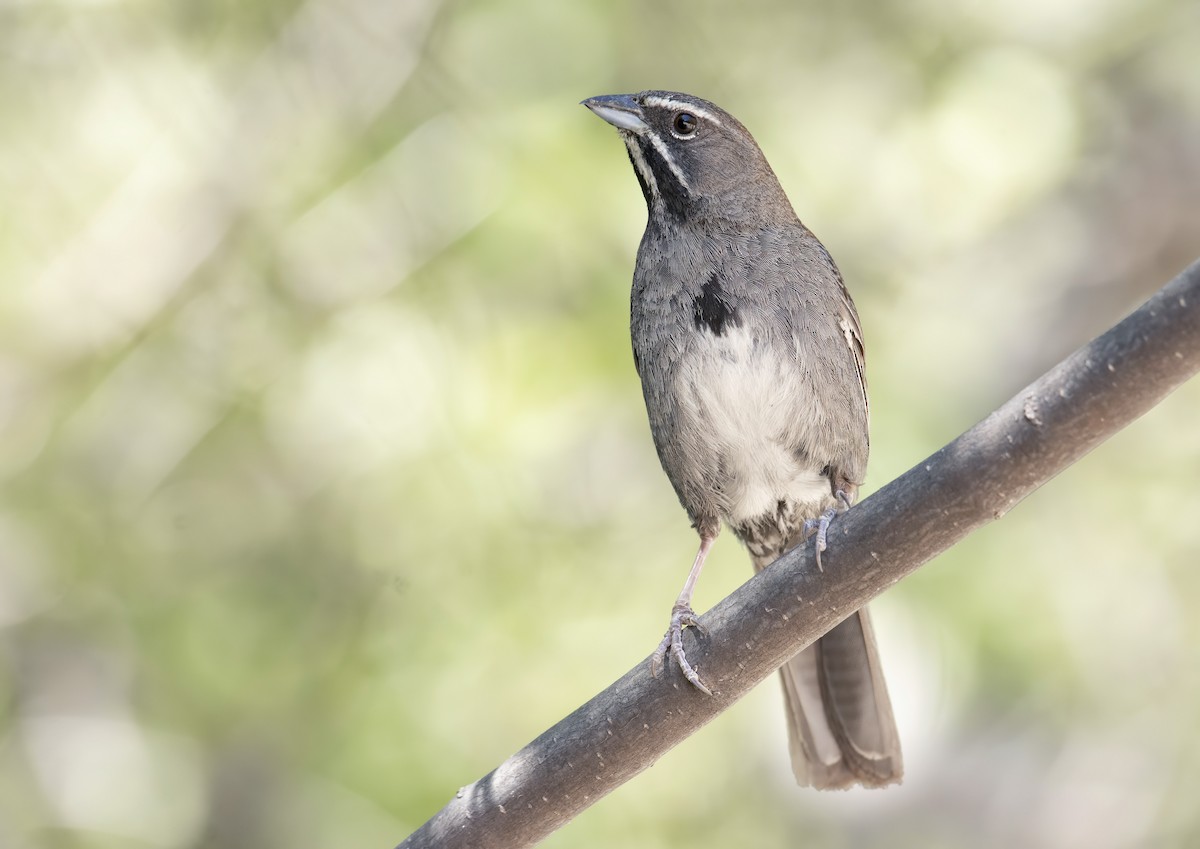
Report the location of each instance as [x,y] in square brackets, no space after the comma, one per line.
[821,524]
[682,616]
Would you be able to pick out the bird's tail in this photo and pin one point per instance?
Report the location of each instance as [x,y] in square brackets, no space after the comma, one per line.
[841,731]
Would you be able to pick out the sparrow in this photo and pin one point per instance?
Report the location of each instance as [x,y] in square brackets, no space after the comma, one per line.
[751,359]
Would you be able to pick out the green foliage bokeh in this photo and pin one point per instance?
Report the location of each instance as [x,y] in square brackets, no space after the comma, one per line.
[325,483]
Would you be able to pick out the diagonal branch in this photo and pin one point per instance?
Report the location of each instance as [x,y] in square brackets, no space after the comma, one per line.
[978,477]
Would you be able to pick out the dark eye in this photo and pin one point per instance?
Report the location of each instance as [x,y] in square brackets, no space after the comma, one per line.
[685,123]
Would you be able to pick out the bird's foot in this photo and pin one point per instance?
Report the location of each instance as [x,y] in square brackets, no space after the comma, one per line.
[682,616]
[821,524]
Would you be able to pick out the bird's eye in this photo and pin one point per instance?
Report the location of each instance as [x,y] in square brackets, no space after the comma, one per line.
[685,123]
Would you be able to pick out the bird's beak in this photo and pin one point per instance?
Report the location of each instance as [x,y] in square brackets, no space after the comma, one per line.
[620,110]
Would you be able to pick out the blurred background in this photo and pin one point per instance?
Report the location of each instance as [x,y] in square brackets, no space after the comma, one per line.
[325,483]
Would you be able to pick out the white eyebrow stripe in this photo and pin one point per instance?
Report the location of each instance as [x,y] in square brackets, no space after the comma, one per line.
[662,151]
[668,103]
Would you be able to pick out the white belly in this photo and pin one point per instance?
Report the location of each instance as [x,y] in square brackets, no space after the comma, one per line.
[742,404]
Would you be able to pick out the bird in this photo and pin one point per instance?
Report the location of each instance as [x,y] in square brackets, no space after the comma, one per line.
[750,354]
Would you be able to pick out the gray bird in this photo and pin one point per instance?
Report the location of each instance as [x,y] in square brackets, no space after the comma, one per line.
[751,359]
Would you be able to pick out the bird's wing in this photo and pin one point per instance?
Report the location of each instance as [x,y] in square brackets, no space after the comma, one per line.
[851,329]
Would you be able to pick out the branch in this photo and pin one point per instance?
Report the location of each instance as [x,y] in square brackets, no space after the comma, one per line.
[975,479]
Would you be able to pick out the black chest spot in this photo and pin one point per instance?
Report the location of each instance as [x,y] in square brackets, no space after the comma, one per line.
[713,309]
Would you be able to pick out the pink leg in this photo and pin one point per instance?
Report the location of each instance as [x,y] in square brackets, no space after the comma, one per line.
[682,616]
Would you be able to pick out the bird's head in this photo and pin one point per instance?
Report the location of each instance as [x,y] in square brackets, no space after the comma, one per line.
[692,158]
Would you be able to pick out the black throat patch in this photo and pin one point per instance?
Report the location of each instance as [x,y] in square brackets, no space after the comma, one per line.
[712,308]
[673,195]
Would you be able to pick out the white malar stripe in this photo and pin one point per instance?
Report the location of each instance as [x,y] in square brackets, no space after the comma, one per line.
[662,150]
[668,103]
[643,167]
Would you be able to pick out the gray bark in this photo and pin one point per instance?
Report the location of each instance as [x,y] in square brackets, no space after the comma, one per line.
[974,480]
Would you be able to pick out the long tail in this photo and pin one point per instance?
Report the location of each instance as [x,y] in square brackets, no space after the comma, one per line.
[841,731]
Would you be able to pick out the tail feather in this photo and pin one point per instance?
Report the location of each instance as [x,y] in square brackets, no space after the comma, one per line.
[841,730]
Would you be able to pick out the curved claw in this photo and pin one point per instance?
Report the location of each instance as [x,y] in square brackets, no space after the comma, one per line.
[822,525]
[682,617]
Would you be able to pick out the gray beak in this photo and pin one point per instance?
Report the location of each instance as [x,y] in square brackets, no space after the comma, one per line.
[620,110]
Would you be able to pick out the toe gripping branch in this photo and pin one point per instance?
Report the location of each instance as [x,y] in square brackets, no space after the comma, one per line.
[821,524]
[682,616]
